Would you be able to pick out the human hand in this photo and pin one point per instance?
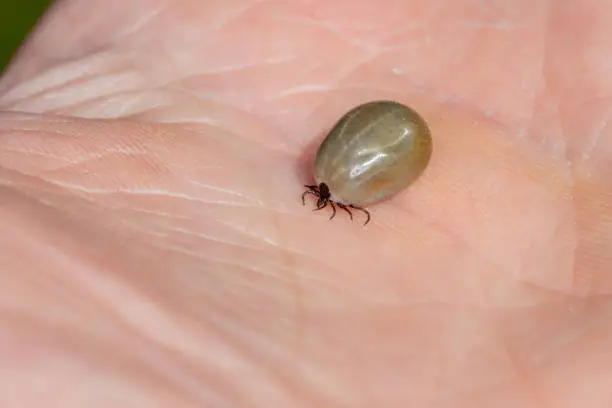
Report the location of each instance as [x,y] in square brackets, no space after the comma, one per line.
[156,252]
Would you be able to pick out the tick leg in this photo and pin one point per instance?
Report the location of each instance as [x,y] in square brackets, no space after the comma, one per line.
[333,209]
[321,204]
[305,194]
[367,213]
[344,207]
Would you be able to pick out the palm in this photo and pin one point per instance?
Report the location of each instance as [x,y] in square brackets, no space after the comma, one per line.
[180,235]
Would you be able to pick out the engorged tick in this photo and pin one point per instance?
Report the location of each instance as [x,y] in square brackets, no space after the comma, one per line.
[374,151]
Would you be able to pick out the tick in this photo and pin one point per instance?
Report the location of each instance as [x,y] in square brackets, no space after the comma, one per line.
[373,152]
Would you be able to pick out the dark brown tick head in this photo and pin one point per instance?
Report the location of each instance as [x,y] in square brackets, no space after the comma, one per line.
[324,193]
[323,196]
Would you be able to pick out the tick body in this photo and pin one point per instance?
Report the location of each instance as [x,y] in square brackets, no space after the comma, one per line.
[374,151]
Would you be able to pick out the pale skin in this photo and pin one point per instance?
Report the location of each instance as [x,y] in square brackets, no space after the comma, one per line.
[156,253]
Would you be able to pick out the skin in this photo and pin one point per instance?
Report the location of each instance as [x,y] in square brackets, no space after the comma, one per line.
[155,252]
[375,151]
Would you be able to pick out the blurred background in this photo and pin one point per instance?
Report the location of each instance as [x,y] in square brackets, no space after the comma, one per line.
[17,17]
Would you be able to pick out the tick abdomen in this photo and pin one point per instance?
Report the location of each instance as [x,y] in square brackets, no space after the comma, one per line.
[373,152]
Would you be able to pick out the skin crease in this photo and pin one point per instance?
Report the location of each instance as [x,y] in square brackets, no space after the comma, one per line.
[373,152]
[155,252]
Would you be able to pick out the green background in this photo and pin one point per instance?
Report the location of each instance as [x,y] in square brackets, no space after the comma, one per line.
[17,17]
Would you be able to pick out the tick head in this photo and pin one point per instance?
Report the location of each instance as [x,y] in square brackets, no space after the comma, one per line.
[324,191]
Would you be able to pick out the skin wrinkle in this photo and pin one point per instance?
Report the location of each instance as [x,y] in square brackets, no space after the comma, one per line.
[41,132]
[330,26]
[482,389]
[198,73]
[248,347]
[75,165]
[90,155]
[351,293]
[508,26]
[62,166]
[171,216]
[413,89]
[348,40]
[263,368]
[272,243]
[23,322]
[163,330]
[457,389]
[302,89]
[149,102]
[486,299]
[542,79]
[304,257]
[553,234]
[187,122]
[104,97]
[180,356]
[74,162]
[590,147]
[25,120]
[138,191]
[226,329]
[546,69]
[561,345]
[188,385]
[236,14]
[231,263]
[41,83]
[343,287]
[72,187]
[234,193]
[545,291]
[34,153]
[138,105]
[25,189]
[278,148]
[482,257]
[265,272]
[368,58]
[82,99]
[575,337]
[10,102]
[216,240]
[105,289]
[575,224]
[376,53]
[145,19]
[522,376]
